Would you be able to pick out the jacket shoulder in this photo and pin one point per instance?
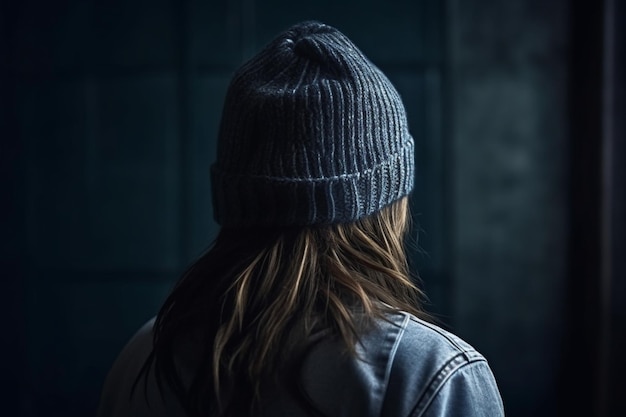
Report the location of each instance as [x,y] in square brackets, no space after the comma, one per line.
[428,341]
[403,367]
[430,362]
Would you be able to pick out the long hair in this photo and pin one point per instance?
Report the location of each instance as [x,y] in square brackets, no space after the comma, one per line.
[253,301]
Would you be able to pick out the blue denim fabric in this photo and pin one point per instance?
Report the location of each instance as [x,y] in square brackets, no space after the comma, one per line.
[405,367]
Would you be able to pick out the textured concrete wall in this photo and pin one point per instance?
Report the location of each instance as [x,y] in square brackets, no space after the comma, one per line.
[508,152]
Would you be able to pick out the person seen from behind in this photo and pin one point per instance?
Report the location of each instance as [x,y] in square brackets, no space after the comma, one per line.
[304,304]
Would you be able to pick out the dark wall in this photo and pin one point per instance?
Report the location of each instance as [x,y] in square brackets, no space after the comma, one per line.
[508,140]
[109,112]
[13,241]
[616,364]
[597,231]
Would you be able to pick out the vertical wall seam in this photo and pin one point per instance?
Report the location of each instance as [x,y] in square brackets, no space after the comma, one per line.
[184,120]
[606,221]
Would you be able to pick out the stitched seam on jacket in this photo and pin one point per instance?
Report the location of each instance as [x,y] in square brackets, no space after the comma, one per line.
[394,349]
[440,378]
[470,353]
[398,333]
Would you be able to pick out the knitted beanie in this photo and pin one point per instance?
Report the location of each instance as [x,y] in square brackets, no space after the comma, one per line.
[311,133]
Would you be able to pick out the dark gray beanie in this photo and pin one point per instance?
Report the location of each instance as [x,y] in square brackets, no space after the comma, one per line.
[311,133]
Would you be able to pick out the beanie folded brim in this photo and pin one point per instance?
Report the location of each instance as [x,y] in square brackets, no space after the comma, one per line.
[257,200]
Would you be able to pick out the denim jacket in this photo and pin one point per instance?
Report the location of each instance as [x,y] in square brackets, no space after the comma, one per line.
[404,367]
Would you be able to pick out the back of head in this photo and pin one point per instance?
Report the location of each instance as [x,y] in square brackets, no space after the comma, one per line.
[312,133]
[310,185]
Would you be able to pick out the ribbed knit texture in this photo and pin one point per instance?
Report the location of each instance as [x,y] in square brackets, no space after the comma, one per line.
[311,133]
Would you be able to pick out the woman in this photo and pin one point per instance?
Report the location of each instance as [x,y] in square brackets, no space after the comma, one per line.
[304,306]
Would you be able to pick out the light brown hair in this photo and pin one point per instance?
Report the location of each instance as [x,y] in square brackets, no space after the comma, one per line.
[254,300]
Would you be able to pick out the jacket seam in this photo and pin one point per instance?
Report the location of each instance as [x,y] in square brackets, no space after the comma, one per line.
[456,363]
[470,353]
[394,349]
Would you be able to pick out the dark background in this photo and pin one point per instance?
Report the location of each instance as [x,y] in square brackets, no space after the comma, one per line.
[109,111]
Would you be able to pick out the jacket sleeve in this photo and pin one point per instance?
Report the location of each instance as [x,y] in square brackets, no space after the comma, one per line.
[470,391]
